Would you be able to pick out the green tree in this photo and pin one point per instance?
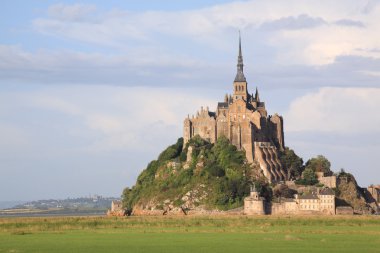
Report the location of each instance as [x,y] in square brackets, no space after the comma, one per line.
[283,191]
[292,162]
[128,199]
[172,151]
[319,164]
[309,177]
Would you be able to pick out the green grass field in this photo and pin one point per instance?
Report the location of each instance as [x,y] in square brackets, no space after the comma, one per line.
[358,234]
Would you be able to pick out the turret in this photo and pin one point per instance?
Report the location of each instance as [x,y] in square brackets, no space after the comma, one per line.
[187,130]
[257,97]
[254,193]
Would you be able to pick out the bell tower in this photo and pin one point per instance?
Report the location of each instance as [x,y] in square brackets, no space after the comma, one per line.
[240,83]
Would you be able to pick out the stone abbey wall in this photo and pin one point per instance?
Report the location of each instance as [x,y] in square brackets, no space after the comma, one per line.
[247,127]
[243,119]
[328,181]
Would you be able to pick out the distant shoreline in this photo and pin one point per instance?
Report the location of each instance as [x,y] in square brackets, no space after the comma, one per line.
[67,213]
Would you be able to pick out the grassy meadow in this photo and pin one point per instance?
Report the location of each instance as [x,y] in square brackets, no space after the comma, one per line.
[191,234]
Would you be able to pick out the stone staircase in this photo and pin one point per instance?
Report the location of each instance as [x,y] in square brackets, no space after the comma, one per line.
[267,156]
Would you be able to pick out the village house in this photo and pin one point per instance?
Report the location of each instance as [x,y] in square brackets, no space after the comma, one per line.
[320,202]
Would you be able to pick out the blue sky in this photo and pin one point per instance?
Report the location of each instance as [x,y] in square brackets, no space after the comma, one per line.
[91,91]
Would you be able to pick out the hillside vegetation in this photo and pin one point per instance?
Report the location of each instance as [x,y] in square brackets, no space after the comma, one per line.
[201,174]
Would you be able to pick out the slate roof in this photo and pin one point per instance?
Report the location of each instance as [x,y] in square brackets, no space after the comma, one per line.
[326,191]
[222,105]
[309,196]
[212,114]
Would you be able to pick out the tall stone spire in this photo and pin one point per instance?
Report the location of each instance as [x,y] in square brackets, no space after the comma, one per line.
[240,75]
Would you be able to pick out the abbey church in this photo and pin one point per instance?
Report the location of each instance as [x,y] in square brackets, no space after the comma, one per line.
[243,119]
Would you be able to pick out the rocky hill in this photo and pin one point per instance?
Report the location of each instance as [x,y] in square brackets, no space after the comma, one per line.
[348,193]
[204,177]
[201,176]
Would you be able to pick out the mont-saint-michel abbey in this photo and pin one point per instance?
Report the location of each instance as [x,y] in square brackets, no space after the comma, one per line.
[190,126]
[233,160]
[243,119]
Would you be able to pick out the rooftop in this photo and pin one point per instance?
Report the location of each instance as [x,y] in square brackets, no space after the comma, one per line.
[309,196]
[326,191]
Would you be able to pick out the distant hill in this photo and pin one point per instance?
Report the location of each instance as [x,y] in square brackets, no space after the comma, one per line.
[97,202]
[70,206]
[10,204]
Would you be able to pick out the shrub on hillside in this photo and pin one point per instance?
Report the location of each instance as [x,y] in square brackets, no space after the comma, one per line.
[172,151]
[319,164]
[308,177]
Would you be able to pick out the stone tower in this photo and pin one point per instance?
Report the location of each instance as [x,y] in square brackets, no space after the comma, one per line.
[243,119]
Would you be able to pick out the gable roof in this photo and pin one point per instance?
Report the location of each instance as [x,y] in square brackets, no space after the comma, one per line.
[222,105]
[309,196]
[326,191]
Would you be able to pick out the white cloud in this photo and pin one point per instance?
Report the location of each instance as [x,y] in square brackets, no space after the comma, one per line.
[198,46]
[293,23]
[55,104]
[100,118]
[62,66]
[13,138]
[77,128]
[371,73]
[347,28]
[349,22]
[339,110]
[75,12]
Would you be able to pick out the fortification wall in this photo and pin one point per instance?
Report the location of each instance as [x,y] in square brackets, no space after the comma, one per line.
[344,210]
[284,208]
[253,207]
[328,181]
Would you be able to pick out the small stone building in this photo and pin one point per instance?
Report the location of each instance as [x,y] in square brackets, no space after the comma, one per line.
[320,202]
[327,201]
[116,209]
[116,206]
[254,204]
[309,202]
